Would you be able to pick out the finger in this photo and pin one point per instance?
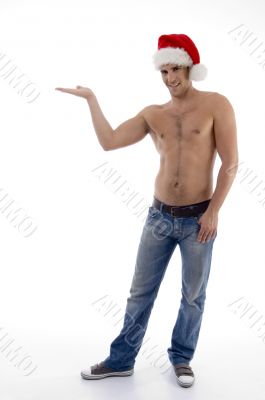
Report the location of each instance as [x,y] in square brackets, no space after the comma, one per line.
[210,236]
[207,237]
[63,89]
[200,235]
[203,237]
[67,90]
[214,234]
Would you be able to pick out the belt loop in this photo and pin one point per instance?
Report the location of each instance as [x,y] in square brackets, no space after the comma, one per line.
[159,203]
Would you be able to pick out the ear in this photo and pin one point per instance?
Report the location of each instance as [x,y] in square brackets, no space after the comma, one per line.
[188,72]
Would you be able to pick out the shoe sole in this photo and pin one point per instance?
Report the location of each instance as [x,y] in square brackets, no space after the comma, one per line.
[109,374]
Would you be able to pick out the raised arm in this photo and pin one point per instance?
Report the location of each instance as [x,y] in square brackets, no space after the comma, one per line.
[127,133]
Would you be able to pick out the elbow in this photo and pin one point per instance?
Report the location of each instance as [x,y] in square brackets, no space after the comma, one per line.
[105,146]
[231,167]
[109,146]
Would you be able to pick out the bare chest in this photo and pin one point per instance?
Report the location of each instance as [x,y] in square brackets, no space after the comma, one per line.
[192,127]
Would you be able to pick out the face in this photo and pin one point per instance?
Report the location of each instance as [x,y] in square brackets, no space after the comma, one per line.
[176,78]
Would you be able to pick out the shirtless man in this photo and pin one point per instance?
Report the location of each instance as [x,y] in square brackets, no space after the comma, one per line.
[187,132]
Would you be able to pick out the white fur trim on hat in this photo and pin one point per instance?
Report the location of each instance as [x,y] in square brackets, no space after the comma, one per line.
[177,55]
[198,72]
[171,55]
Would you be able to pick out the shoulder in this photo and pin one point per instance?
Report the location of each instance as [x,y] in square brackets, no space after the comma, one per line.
[219,104]
[148,112]
[219,99]
[148,109]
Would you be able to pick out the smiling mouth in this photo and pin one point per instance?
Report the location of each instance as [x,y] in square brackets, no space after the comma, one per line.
[174,85]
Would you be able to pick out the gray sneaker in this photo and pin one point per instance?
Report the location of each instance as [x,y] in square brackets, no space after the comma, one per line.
[99,371]
[184,374]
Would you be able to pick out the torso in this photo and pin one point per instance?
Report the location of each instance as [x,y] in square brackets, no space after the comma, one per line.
[186,144]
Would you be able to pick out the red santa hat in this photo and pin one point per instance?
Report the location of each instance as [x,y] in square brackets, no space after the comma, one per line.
[179,49]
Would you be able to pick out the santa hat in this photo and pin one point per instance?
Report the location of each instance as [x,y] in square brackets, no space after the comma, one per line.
[179,49]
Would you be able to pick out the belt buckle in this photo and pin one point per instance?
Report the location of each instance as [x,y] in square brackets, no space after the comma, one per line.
[182,214]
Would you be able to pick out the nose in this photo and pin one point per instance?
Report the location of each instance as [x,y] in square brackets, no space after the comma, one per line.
[171,78]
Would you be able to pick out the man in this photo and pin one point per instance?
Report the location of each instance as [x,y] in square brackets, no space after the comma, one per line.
[187,132]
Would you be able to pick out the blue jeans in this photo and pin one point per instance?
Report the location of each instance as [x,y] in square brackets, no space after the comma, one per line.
[161,233]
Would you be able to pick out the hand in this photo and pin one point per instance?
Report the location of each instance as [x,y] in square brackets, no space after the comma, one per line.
[80,91]
[208,222]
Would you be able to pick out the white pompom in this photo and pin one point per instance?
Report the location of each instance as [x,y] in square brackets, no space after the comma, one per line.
[198,72]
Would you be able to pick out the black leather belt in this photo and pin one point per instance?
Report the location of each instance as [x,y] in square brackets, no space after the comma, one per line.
[189,210]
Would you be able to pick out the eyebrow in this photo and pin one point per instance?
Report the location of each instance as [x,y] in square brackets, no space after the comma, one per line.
[176,66]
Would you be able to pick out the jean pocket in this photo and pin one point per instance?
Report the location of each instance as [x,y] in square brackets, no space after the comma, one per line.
[197,217]
[153,211]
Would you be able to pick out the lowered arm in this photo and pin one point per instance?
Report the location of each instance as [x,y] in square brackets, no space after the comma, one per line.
[226,144]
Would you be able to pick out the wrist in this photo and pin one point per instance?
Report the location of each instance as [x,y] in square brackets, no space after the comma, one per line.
[212,210]
[90,98]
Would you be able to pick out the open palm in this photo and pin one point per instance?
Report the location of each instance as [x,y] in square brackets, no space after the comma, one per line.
[80,91]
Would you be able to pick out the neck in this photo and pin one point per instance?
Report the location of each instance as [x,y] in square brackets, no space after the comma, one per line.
[184,97]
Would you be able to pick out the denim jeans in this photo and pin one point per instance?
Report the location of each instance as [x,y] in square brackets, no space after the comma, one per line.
[161,233]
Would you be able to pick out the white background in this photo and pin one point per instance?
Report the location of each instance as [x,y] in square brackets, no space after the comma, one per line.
[86,240]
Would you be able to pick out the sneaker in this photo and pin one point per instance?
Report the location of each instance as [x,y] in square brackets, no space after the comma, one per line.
[184,374]
[99,371]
